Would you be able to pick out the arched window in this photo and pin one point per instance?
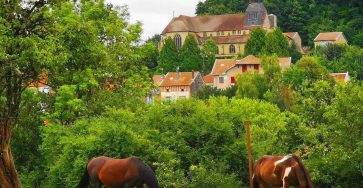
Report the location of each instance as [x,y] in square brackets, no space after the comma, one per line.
[178,41]
[232,49]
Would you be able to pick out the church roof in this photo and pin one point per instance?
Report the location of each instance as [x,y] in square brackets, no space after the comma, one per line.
[228,22]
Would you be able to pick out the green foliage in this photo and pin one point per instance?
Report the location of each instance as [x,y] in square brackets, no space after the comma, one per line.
[256,43]
[306,69]
[175,139]
[210,91]
[169,58]
[208,53]
[213,7]
[276,43]
[271,67]
[342,58]
[252,85]
[190,55]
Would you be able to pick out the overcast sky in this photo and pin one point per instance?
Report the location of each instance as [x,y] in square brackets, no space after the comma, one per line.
[156,14]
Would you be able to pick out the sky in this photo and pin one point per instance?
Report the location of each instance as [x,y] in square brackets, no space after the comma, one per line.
[156,14]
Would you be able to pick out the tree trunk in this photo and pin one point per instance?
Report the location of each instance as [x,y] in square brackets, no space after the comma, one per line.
[8,174]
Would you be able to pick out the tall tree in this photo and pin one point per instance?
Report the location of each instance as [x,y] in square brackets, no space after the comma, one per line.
[169,58]
[276,43]
[256,43]
[190,55]
[208,51]
[25,49]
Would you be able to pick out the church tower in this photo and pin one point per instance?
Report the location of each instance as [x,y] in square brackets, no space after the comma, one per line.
[255,13]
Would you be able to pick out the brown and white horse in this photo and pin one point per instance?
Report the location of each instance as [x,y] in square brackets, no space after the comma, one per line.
[278,171]
[118,173]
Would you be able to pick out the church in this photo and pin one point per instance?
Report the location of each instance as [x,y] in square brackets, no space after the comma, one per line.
[230,32]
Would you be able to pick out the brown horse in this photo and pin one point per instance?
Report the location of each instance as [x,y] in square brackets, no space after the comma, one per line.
[118,173]
[277,171]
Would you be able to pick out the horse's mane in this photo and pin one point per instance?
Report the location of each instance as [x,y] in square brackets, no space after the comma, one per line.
[305,171]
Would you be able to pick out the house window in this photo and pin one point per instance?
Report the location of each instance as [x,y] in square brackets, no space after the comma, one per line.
[233,80]
[205,34]
[217,50]
[233,32]
[255,67]
[232,49]
[167,90]
[218,33]
[239,32]
[182,89]
[244,68]
[222,33]
[178,41]
[221,80]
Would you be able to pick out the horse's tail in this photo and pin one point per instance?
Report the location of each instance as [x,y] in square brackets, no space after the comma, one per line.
[305,171]
[85,180]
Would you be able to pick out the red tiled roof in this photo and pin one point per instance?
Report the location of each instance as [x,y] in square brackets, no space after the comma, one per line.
[226,39]
[250,59]
[178,79]
[222,65]
[157,79]
[284,62]
[340,76]
[208,79]
[328,36]
[42,81]
[228,22]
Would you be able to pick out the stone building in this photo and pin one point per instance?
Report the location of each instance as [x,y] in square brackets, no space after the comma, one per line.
[230,31]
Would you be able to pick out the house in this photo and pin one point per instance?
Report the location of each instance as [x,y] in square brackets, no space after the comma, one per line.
[42,84]
[179,85]
[230,31]
[294,38]
[341,77]
[225,71]
[208,80]
[330,37]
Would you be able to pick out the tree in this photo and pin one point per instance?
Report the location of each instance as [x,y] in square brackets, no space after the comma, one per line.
[256,43]
[169,58]
[190,55]
[276,43]
[306,69]
[87,49]
[251,85]
[25,50]
[271,67]
[208,52]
